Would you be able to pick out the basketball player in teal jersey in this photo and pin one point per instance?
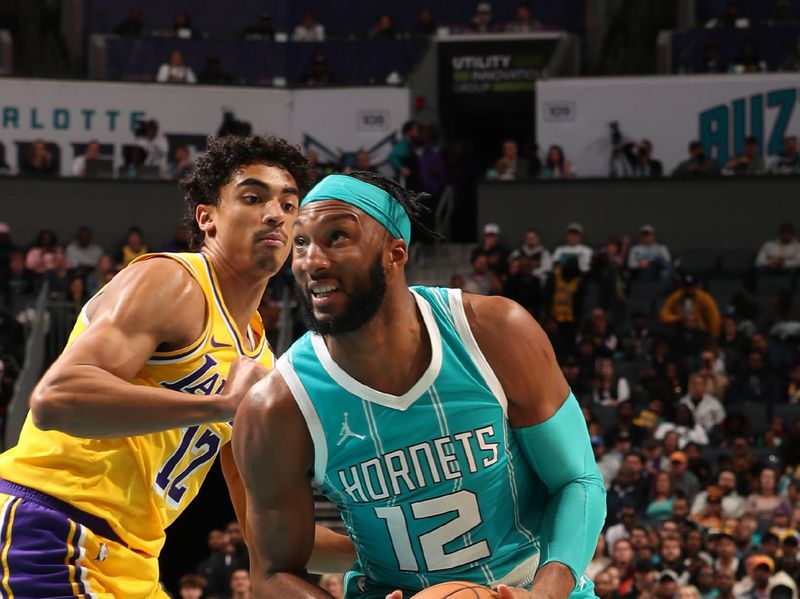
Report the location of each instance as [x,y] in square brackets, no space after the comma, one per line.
[439,423]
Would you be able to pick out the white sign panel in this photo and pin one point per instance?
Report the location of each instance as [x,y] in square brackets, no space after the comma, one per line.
[339,122]
[69,113]
[719,111]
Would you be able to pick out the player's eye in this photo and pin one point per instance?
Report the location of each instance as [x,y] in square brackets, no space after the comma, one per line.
[300,241]
[338,236]
[290,207]
[251,199]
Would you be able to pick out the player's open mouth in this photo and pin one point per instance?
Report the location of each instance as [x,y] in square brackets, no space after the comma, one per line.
[323,291]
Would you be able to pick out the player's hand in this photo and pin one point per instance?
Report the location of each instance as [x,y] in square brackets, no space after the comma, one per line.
[244,373]
[395,595]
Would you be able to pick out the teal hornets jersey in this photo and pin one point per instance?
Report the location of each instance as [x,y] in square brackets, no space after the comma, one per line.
[431,485]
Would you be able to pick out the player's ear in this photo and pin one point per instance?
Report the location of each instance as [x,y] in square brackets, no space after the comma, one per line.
[205,215]
[398,253]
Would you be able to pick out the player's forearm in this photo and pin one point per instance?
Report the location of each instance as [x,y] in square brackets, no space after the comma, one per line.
[284,585]
[553,581]
[86,401]
[333,553]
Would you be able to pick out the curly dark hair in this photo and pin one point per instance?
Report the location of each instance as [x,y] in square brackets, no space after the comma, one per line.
[414,203]
[224,157]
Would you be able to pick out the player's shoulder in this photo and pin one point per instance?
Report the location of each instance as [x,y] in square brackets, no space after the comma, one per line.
[494,313]
[160,287]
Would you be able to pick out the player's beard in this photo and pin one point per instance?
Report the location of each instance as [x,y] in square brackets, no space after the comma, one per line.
[363,302]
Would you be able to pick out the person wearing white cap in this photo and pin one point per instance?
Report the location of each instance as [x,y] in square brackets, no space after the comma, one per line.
[490,246]
[649,260]
[573,248]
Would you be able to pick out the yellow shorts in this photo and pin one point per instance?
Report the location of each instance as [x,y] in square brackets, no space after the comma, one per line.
[46,553]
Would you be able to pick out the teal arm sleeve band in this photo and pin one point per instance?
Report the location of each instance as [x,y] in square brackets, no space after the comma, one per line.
[560,452]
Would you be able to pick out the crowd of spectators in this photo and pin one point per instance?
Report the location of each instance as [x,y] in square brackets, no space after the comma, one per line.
[691,404]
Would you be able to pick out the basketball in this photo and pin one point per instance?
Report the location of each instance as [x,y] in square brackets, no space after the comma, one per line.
[457,589]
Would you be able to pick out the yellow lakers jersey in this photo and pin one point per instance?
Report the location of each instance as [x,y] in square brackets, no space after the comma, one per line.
[140,484]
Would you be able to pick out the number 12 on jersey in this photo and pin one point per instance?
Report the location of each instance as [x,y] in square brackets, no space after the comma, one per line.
[432,543]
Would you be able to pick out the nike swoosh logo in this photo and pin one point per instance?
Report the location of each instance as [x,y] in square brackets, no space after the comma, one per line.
[214,343]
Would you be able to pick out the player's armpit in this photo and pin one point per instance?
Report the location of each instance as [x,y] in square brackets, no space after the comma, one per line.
[520,354]
[86,391]
[333,552]
[274,454]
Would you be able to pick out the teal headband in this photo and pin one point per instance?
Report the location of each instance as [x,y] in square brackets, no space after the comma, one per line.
[371,199]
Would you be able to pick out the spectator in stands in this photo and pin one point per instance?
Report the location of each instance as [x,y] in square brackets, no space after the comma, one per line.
[749,162]
[134,158]
[792,62]
[39,161]
[481,279]
[510,166]
[781,253]
[637,340]
[181,164]
[81,253]
[648,260]
[263,31]
[92,152]
[624,528]
[182,27]
[240,584]
[383,28]
[213,74]
[556,165]
[690,299]
[609,389]
[711,62]
[17,283]
[57,277]
[175,71]
[600,333]
[426,26]
[133,24]
[179,241]
[755,385]
[319,73]
[623,493]
[622,559]
[733,504]
[496,253]
[748,61]
[564,293]
[483,22]
[686,428]
[732,17]
[309,29]
[524,20]
[604,586]
[42,254]
[102,274]
[533,249]
[661,498]
[698,164]
[522,285]
[782,17]
[683,479]
[788,161]
[403,157]
[154,144]
[332,583]
[607,463]
[764,499]
[600,561]
[625,424]
[793,389]
[133,247]
[573,248]
[432,169]
[707,410]
[646,167]
[191,586]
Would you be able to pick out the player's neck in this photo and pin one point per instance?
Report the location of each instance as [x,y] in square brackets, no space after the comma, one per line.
[391,351]
[241,292]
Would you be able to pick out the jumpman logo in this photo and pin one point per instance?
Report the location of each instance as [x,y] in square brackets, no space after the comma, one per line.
[347,432]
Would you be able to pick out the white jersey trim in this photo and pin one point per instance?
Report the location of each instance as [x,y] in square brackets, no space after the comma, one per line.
[468,339]
[313,423]
[387,400]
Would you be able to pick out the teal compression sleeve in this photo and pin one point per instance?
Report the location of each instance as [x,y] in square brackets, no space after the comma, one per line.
[560,452]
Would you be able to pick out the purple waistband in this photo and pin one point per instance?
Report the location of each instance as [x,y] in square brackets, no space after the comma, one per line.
[94,523]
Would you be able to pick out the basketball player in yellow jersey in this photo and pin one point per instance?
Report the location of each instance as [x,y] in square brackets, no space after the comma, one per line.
[126,423]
